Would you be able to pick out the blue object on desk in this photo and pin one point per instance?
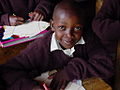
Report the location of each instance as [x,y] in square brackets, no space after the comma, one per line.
[8,38]
[1,35]
[1,32]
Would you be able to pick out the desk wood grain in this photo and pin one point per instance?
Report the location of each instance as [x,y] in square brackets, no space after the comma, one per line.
[95,83]
[9,52]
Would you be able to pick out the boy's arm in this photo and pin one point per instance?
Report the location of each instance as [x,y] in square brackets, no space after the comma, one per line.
[106,23]
[20,71]
[98,64]
[78,68]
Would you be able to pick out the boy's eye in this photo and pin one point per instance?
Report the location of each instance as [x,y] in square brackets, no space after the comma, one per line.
[78,28]
[61,27]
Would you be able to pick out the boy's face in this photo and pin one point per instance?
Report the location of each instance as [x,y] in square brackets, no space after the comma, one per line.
[67,27]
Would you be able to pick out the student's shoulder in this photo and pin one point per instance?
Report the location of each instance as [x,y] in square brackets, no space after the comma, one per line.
[111,2]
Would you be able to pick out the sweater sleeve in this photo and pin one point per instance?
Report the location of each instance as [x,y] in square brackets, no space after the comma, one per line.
[19,73]
[106,23]
[4,20]
[46,7]
[96,63]
[97,66]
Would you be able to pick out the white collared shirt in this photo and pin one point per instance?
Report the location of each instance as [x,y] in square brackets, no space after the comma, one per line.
[55,46]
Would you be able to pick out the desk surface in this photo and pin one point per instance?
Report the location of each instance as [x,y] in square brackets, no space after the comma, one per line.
[9,52]
[95,84]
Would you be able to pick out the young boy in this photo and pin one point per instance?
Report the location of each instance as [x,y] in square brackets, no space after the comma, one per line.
[69,47]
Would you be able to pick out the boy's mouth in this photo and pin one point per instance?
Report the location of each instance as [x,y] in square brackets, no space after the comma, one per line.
[68,42]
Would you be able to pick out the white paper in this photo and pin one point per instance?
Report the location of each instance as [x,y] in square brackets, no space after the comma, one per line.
[74,85]
[29,29]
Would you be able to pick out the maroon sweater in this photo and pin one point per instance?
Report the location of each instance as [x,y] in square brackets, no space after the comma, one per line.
[23,7]
[88,60]
[106,24]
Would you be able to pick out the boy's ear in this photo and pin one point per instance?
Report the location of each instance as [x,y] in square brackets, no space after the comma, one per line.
[51,25]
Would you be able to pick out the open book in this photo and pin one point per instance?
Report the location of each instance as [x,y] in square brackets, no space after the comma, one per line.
[22,33]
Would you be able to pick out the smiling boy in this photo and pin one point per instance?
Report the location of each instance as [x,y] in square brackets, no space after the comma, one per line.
[69,47]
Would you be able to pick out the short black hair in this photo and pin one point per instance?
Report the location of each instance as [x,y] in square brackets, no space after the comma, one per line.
[80,8]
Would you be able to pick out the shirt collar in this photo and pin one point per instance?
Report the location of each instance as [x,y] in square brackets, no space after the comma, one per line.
[55,45]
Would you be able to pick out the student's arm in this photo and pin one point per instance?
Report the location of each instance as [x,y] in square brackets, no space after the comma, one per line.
[11,20]
[98,64]
[4,19]
[20,71]
[106,23]
[3,16]
[45,7]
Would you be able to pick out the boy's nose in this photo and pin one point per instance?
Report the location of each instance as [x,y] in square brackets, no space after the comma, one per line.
[69,33]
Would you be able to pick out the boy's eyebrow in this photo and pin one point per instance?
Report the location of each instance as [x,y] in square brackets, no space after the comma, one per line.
[62,22]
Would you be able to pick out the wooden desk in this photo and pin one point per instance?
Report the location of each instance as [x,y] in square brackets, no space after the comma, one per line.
[9,52]
[95,84]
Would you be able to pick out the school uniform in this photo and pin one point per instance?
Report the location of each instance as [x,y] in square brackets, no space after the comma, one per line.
[23,7]
[106,25]
[86,59]
[2,82]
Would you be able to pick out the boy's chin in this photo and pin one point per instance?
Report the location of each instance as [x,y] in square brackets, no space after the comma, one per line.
[67,47]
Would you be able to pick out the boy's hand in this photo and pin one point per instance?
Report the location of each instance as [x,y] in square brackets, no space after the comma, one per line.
[60,81]
[36,16]
[15,20]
